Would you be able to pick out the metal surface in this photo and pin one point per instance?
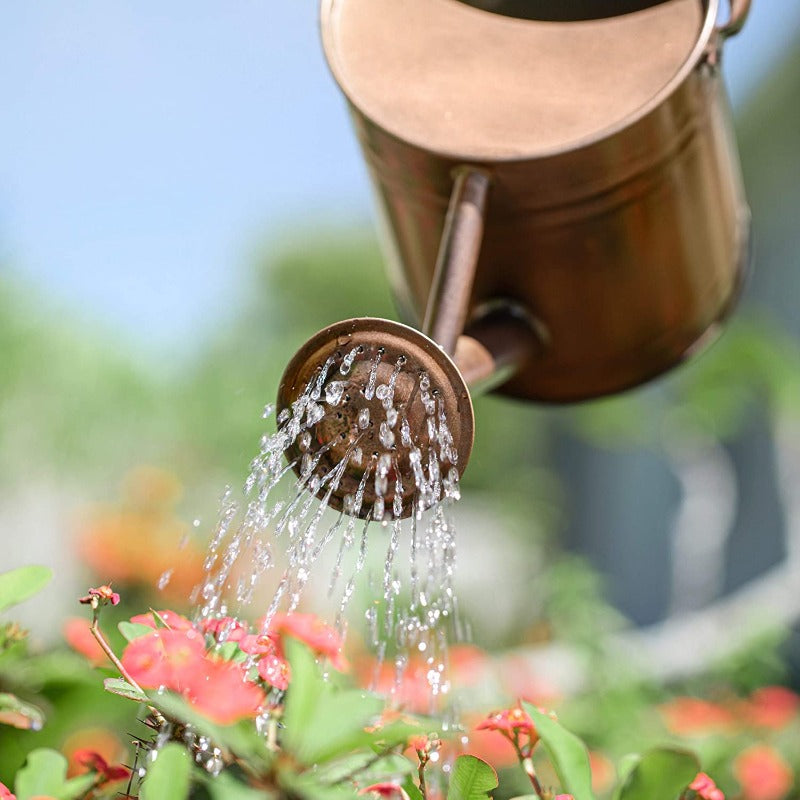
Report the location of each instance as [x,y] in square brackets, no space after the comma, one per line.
[616,215]
[338,433]
[448,304]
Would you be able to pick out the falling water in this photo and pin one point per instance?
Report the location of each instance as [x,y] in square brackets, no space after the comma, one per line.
[293,509]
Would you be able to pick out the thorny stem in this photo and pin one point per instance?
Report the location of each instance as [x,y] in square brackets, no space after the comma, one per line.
[112,657]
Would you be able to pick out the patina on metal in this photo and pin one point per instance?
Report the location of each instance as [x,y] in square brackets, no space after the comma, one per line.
[612,212]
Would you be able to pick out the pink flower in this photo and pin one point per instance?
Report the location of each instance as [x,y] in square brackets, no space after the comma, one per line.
[100,596]
[772,707]
[6,793]
[564,797]
[706,788]
[275,671]
[763,773]
[390,790]
[94,762]
[163,657]
[313,632]
[173,621]
[227,628]
[220,690]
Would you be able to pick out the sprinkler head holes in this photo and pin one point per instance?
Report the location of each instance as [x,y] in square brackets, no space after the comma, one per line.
[378,419]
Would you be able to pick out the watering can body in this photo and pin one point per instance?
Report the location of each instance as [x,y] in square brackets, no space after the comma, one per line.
[615,215]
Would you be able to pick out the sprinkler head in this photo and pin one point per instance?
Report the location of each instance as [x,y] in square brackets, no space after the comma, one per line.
[383,420]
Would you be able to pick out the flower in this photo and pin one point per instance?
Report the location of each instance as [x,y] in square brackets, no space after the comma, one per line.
[220,691]
[78,635]
[6,793]
[564,797]
[772,707]
[706,788]
[390,790]
[313,632]
[511,722]
[159,619]
[275,671]
[265,644]
[689,716]
[100,596]
[177,660]
[106,772]
[98,740]
[227,629]
[763,773]
[163,657]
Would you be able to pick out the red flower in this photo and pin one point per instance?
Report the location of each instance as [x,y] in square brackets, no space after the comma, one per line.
[390,790]
[706,788]
[100,596]
[163,658]
[6,793]
[79,637]
[689,716]
[603,772]
[220,690]
[512,721]
[772,707]
[173,621]
[312,631]
[94,762]
[265,644]
[229,628]
[763,773]
[564,797]
[275,671]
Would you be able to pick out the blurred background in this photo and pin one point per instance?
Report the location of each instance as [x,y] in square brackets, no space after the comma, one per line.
[182,203]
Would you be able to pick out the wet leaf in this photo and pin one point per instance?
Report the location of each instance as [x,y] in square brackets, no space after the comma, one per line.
[567,754]
[19,714]
[169,776]
[22,583]
[471,779]
[661,774]
[134,630]
[124,689]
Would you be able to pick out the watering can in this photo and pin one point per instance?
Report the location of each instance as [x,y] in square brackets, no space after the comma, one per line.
[558,186]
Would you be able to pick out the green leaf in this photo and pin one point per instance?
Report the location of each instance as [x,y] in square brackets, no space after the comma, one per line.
[19,714]
[307,687]
[225,787]
[661,774]
[44,773]
[337,725]
[567,754]
[411,789]
[124,689]
[169,776]
[134,630]
[77,787]
[22,583]
[366,767]
[471,779]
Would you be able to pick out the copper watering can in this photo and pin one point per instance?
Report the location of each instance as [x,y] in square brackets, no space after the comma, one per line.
[559,189]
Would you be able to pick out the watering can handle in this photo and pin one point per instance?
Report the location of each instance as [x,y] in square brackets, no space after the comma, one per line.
[738,16]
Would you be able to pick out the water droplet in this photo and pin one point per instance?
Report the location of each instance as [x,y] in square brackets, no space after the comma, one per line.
[334,392]
[165,578]
[363,418]
[269,410]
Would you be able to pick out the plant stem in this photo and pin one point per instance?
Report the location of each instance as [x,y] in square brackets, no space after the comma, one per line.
[526,762]
[112,657]
[527,765]
[421,772]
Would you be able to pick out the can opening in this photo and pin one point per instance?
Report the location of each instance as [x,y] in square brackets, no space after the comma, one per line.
[563,10]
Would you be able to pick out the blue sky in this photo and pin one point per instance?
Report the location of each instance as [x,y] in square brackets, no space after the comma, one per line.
[146,148]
